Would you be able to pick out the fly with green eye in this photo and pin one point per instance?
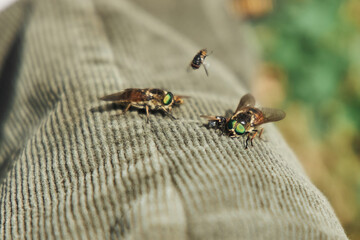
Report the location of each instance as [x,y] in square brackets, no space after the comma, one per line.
[246,119]
[147,98]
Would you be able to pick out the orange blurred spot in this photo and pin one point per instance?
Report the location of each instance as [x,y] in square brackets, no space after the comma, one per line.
[252,8]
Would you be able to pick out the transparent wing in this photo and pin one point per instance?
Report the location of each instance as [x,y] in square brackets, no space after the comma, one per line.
[113,97]
[229,113]
[247,100]
[271,115]
[130,94]
[206,66]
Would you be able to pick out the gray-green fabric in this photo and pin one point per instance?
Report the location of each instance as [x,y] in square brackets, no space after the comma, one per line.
[73,168]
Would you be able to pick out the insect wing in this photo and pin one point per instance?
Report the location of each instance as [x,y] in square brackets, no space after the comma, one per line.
[269,115]
[206,66]
[229,113]
[128,95]
[247,100]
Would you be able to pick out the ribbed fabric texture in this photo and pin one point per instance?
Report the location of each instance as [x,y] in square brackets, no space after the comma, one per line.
[74,168]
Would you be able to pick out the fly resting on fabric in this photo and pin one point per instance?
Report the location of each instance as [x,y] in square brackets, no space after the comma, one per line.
[245,120]
[147,98]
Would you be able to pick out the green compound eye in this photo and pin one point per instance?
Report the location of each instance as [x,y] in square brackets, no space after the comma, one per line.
[231,124]
[240,129]
[168,98]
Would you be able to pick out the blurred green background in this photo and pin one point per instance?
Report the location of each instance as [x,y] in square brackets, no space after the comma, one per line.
[311,68]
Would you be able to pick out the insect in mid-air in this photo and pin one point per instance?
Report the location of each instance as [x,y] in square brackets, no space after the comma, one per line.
[148,98]
[199,59]
[245,120]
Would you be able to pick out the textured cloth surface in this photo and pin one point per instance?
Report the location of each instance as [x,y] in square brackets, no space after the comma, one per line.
[73,168]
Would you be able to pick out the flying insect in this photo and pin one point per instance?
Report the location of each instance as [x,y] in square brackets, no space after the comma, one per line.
[199,59]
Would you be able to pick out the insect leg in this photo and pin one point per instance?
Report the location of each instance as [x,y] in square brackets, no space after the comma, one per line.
[168,113]
[127,108]
[147,113]
[247,140]
[253,136]
[261,131]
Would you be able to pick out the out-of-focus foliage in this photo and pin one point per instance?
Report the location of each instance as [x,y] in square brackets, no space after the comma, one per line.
[316,44]
[252,8]
[311,50]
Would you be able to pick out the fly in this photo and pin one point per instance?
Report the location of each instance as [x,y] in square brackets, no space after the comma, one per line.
[246,120]
[199,59]
[147,98]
